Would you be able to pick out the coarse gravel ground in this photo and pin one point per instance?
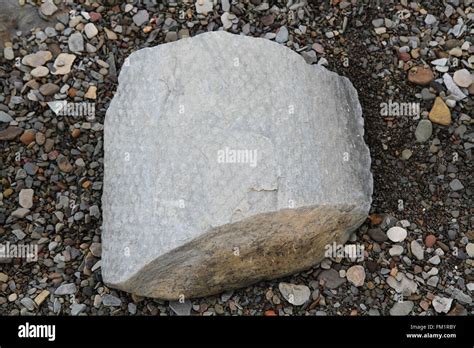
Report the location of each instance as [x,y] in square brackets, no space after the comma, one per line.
[422,185]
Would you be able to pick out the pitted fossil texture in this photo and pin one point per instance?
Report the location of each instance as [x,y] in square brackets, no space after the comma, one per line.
[177,107]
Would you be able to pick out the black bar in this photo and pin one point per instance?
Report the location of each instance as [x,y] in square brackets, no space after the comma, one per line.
[243,330]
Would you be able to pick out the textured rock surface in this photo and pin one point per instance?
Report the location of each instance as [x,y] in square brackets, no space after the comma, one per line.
[180,221]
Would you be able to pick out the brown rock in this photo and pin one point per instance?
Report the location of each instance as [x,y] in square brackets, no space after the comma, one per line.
[440,113]
[267,20]
[49,89]
[91,93]
[420,75]
[458,310]
[110,34]
[430,240]
[64,164]
[76,132]
[41,297]
[10,133]
[404,56]
[8,192]
[28,137]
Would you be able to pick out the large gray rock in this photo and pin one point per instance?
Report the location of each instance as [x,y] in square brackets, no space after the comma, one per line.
[182,217]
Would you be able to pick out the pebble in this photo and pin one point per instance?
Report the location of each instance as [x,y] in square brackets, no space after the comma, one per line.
[423,131]
[356,275]
[442,304]
[37,59]
[396,250]
[433,281]
[141,17]
[295,294]
[40,71]
[66,289]
[48,89]
[440,113]
[427,95]
[417,250]
[420,75]
[402,284]
[26,198]
[435,260]
[378,22]
[8,53]
[456,52]
[5,118]
[310,56]
[111,301]
[91,93]
[77,308]
[402,308]
[318,48]
[462,78]
[91,30]
[226,22]
[110,34]
[331,278]
[267,20]
[76,43]
[440,62]
[132,308]
[454,90]
[378,235]
[396,234]
[63,63]
[171,36]
[20,213]
[48,8]
[430,19]
[204,6]
[64,164]
[182,308]
[225,5]
[430,240]
[28,137]
[456,185]
[470,249]
[406,154]
[43,295]
[282,35]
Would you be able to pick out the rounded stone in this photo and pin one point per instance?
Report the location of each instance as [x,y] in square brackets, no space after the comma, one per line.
[423,131]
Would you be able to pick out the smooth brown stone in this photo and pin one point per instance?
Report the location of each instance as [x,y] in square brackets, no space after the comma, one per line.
[420,75]
[10,133]
[28,137]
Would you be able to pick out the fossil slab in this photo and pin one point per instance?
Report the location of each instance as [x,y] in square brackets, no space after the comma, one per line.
[228,160]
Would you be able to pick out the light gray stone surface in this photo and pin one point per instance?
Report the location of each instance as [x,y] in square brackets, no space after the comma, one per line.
[179,222]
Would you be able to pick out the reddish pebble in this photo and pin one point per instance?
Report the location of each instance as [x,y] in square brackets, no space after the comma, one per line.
[28,137]
[430,241]
[95,16]
[404,56]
